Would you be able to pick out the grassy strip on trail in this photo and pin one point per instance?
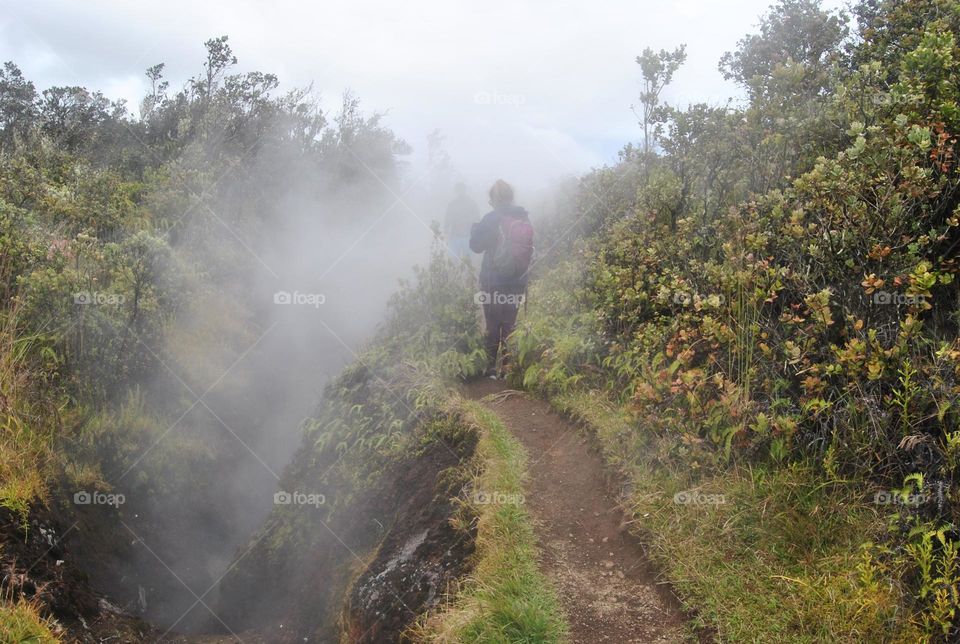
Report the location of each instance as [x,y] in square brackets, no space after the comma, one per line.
[505,598]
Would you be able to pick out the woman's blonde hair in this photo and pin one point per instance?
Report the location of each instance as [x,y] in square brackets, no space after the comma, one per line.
[501,194]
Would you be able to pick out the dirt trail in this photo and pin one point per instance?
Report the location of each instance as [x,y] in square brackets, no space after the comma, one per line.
[606,585]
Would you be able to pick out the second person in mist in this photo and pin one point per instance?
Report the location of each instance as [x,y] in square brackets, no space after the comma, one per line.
[460,215]
[505,237]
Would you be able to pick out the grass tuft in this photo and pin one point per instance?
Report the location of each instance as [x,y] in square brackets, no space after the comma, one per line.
[21,622]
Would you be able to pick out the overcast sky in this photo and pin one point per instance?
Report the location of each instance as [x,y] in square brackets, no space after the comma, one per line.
[529,90]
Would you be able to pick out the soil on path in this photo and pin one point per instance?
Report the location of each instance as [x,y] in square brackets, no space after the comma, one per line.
[607,587]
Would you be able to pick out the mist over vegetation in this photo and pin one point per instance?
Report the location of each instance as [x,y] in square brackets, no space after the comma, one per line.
[233,294]
[180,285]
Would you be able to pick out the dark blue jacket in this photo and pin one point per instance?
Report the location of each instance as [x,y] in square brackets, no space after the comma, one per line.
[484,237]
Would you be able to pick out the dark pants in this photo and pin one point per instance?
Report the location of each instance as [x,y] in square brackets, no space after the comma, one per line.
[500,314]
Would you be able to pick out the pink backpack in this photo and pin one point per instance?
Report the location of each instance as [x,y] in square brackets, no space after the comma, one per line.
[514,249]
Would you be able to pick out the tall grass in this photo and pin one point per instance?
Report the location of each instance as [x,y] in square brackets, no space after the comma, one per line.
[26,431]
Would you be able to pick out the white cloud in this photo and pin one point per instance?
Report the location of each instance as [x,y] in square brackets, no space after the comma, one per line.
[424,61]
